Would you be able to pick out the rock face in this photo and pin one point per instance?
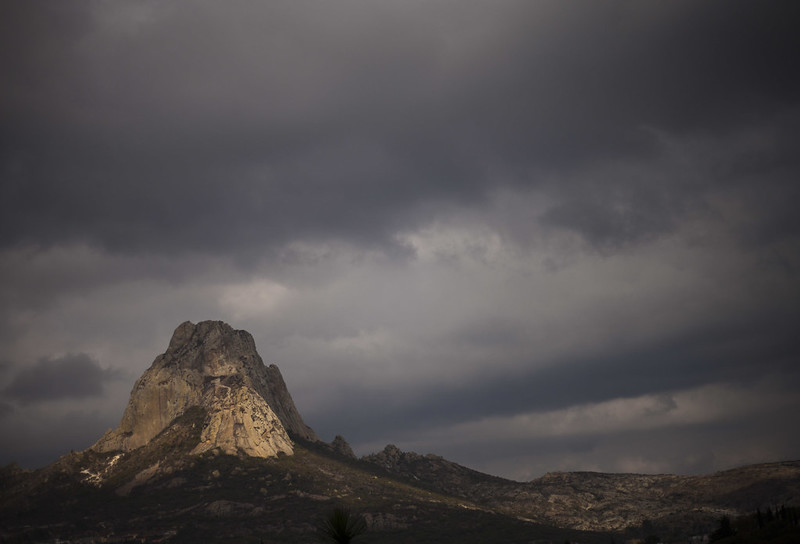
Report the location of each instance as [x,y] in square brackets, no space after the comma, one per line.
[217,368]
[240,420]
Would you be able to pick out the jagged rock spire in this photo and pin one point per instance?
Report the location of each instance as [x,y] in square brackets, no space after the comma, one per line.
[214,366]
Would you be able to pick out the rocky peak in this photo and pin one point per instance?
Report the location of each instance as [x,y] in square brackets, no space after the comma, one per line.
[213,348]
[340,446]
[392,457]
[211,365]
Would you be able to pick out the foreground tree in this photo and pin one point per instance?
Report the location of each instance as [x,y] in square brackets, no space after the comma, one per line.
[342,526]
[725,530]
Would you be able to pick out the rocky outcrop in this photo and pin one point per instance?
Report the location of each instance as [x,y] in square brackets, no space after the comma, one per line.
[446,476]
[211,365]
[340,446]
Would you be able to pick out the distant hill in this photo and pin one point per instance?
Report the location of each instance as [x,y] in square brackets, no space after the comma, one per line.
[678,506]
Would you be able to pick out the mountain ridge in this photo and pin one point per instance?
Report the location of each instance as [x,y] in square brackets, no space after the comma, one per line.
[604,501]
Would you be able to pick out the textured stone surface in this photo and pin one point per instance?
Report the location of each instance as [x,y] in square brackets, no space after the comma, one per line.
[210,364]
[240,421]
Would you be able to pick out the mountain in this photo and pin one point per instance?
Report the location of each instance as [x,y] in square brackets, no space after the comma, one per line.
[211,448]
[218,368]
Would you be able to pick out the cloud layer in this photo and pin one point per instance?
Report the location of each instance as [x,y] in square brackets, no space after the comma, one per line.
[436,218]
[71,376]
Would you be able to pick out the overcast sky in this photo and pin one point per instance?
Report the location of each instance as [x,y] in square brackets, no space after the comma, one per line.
[524,235]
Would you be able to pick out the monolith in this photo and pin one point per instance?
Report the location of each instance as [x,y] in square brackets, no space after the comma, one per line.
[211,365]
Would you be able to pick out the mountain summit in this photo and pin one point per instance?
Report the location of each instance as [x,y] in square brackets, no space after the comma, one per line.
[211,365]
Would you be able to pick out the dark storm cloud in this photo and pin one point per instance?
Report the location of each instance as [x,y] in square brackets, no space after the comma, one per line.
[223,128]
[37,443]
[736,353]
[169,161]
[69,377]
[726,443]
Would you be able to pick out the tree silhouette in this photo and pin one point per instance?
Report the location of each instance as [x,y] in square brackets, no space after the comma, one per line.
[342,526]
[725,530]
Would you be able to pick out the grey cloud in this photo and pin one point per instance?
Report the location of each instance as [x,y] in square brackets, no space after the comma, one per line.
[5,409]
[669,450]
[488,331]
[69,377]
[611,222]
[41,438]
[692,360]
[242,127]
[665,403]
